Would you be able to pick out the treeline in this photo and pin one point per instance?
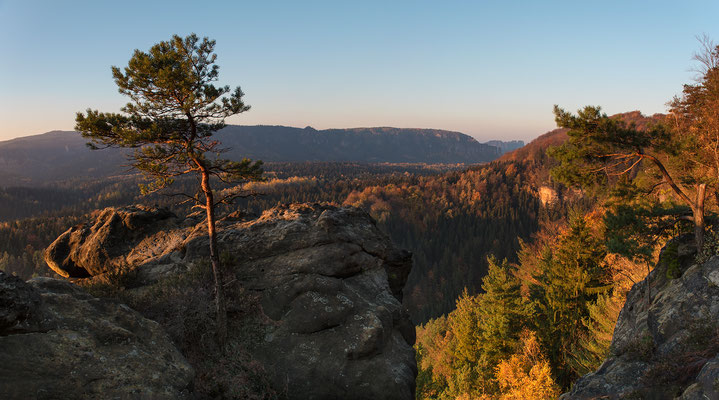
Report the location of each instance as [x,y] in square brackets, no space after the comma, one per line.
[74,197]
[80,196]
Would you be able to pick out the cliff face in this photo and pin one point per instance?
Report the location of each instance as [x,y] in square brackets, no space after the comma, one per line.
[316,292]
[665,346]
[380,144]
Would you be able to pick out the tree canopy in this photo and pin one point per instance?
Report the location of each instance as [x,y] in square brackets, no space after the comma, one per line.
[175,109]
[680,152]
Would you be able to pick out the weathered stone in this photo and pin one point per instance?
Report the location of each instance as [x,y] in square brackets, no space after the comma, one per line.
[666,347]
[329,284]
[74,346]
[118,238]
[18,304]
[706,384]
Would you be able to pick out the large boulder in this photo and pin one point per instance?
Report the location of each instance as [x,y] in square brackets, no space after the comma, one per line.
[328,285]
[58,342]
[117,238]
[665,346]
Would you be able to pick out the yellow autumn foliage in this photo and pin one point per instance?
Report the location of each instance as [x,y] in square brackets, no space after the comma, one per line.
[526,375]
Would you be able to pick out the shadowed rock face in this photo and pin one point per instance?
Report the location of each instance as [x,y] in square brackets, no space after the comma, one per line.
[328,281]
[58,342]
[668,348]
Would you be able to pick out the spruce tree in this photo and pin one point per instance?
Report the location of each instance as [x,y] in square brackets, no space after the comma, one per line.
[503,313]
[570,277]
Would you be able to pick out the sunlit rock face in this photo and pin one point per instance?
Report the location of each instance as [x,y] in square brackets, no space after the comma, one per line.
[328,282]
[58,342]
[116,238]
[664,346]
[547,195]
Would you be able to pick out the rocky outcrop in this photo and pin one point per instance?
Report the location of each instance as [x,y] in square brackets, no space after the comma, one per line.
[667,346]
[117,238]
[328,284]
[58,342]
[547,195]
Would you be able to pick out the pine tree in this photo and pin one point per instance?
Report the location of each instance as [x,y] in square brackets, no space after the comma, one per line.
[680,153]
[175,109]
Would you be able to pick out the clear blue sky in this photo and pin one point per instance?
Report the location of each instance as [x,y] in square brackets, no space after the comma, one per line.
[491,69]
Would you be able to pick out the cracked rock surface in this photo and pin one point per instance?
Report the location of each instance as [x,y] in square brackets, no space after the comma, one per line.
[328,282]
[667,346]
[58,342]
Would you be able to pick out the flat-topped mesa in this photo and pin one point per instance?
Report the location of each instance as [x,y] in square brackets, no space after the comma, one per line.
[328,282]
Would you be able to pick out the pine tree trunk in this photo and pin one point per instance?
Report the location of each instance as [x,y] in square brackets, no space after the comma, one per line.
[698,215]
[220,306]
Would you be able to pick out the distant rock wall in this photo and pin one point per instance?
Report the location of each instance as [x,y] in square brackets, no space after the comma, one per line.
[668,346]
[505,147]
[329,284]
[547,195]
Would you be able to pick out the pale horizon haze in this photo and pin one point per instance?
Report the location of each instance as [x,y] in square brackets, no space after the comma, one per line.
[490,69]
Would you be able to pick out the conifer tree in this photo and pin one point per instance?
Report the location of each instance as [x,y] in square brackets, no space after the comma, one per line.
[502,313]
[174,110]
[570,278]
[592,347]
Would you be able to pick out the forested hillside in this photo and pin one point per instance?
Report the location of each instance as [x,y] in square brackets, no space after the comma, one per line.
[548,318]
[448,219]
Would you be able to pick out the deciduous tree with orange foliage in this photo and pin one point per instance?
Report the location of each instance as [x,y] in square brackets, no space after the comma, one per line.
[526,375]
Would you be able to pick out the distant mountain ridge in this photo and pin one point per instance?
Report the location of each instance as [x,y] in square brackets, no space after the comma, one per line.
[381,144]
[52,156]
[60,155]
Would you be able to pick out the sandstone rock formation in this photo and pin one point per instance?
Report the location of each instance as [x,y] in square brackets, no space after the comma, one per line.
[328,282]
[667,348]
[547,195]
[115,239]
[58,342]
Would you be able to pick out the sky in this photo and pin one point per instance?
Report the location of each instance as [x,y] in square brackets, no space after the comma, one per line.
[490,69]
